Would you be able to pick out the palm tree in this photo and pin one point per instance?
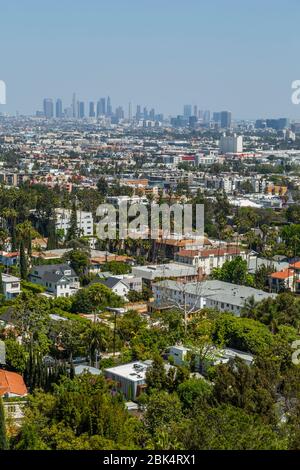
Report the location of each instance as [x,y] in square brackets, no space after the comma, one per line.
[249,308]
[96,338]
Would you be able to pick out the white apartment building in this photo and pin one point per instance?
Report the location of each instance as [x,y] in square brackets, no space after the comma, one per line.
[117,200]
[208,259]
[231,144]
[85,222]
[223,296]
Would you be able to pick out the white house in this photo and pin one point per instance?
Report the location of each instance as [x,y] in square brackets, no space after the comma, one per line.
[60,280]
[215,356]
[118,286]
[11,286]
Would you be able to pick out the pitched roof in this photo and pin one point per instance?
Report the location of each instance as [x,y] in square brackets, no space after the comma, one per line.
[52,272]
[295,265]
[111,282]
[11,382]
[282,274]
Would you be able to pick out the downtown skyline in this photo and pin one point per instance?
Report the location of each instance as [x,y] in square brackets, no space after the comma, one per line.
[163,55]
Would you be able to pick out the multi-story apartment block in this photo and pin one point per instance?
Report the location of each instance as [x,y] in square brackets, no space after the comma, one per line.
[85,222]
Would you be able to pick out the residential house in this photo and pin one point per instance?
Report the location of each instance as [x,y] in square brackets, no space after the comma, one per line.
[59,280]
[118,286]
[12,385]
[11,286]
[9,259]
[130,378]
[287,279]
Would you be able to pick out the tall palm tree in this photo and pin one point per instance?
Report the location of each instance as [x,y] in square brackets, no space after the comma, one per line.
[96,338]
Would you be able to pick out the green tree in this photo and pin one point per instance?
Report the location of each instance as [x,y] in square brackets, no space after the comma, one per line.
[72,233]
[116,267]
[16,355]
[23,261]
[79,261]
[225,427]
[102,187]
[96,296]
[156,377]
[234,271]
[162,409]
[193,390]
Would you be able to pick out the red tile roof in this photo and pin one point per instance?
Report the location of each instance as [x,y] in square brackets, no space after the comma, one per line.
[295,265]
[282,274]
[209,252]
[11,382]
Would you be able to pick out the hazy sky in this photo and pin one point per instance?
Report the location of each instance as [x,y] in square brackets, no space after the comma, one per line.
[240,55]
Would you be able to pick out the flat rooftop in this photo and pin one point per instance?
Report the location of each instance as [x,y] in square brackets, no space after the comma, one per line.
[134,371]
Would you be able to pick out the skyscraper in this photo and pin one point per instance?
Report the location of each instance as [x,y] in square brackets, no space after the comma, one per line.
[129,112]
[195,110]
[81,109]
[206,116]
[187,110]
[217,117]
[145,112]
[59,108]
[119,113]
[108,107]
[48,108]
[225,119]
[101,108]
[152,114]
[74,106]
[138,112]
[92,109]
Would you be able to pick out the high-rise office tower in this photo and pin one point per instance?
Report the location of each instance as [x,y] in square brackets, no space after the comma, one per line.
[193,121]
[74,106]
[145,112]
[59,108]
[48,108]
[195,110]
[217,117]
[101,107]
[92,109]
[129,112]
[80,109]
[119,112]
[108,107]
[206,116]
[138,112]
[225,119]
[152,114]
[68,112]
[187,110]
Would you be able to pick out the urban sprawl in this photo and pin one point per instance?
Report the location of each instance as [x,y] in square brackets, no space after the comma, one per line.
[174,342]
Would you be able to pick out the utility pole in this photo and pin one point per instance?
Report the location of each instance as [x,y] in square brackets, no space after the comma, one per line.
[115,326]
